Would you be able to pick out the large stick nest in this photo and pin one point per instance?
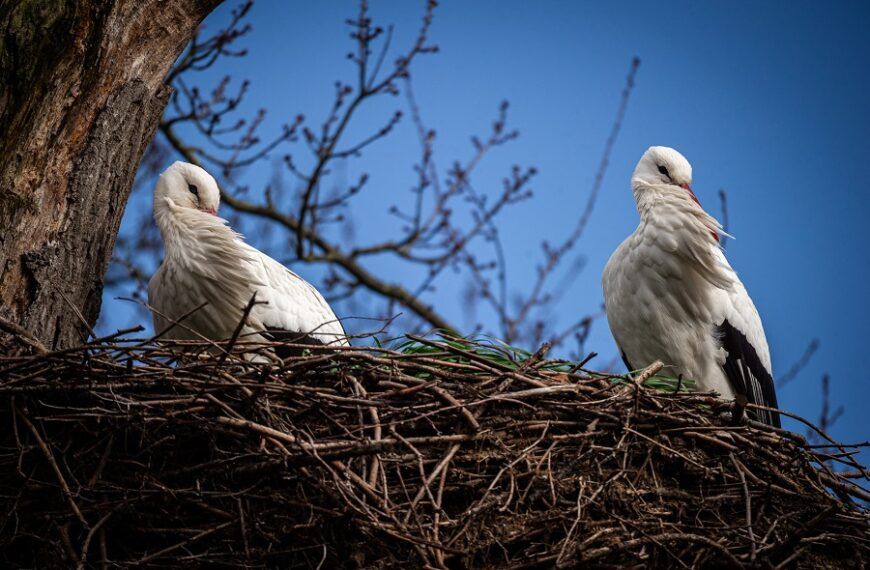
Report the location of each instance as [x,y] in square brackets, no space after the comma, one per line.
[445,454]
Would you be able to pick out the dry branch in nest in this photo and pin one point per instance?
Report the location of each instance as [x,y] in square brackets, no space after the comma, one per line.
[444,454]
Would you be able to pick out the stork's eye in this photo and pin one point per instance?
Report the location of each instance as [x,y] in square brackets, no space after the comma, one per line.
[193,190]
[664,170]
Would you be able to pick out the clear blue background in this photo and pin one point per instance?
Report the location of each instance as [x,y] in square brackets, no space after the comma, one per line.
[768,100]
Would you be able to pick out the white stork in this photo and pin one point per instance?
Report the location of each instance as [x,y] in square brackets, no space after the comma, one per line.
[671,295]
[208,265]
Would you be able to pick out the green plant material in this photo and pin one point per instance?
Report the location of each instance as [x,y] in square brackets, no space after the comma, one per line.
[505,355]
[667,384]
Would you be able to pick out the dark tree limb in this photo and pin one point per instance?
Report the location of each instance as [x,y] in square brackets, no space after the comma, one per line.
[81,94]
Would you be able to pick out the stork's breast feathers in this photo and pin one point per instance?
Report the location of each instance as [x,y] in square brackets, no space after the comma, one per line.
[685,233]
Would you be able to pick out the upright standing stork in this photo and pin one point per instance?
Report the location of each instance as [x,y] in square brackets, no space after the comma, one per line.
[209,275]
[671,295]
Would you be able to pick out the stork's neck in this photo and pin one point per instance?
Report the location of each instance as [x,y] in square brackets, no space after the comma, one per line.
[652,198]
[186,230]
[670,209]
[172,230]
[673,224]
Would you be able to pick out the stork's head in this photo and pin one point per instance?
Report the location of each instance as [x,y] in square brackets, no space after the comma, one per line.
[186,185]
[663,169]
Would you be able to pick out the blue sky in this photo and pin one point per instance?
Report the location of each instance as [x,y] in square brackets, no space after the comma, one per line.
[768,100]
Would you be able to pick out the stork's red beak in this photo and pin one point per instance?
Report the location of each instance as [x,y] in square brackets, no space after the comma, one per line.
[688,189]
[212,211]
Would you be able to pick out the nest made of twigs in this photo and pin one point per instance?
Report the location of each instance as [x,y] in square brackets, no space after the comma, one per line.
[443,454]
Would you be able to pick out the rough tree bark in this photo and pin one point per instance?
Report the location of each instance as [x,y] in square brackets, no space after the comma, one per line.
[81,94]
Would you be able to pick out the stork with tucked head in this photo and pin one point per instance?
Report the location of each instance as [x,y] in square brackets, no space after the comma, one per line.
[671,295]
[209,274]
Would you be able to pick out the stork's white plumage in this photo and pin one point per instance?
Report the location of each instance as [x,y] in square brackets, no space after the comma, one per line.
[671,295]
[205,261]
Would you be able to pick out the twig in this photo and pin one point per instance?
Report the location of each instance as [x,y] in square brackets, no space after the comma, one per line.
[29,339]
[83,559]
[49,456]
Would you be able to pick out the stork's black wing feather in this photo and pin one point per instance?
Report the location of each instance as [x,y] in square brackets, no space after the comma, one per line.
[289,338]
[746,373]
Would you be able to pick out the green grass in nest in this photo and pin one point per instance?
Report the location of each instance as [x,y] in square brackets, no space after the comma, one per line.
[514,358]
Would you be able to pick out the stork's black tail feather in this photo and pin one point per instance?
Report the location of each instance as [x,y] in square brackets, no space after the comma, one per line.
[290,340]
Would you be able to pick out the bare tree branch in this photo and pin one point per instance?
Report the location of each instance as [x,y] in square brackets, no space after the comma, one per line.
[450,223]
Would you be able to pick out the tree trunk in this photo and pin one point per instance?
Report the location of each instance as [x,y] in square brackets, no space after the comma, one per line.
[81,94]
